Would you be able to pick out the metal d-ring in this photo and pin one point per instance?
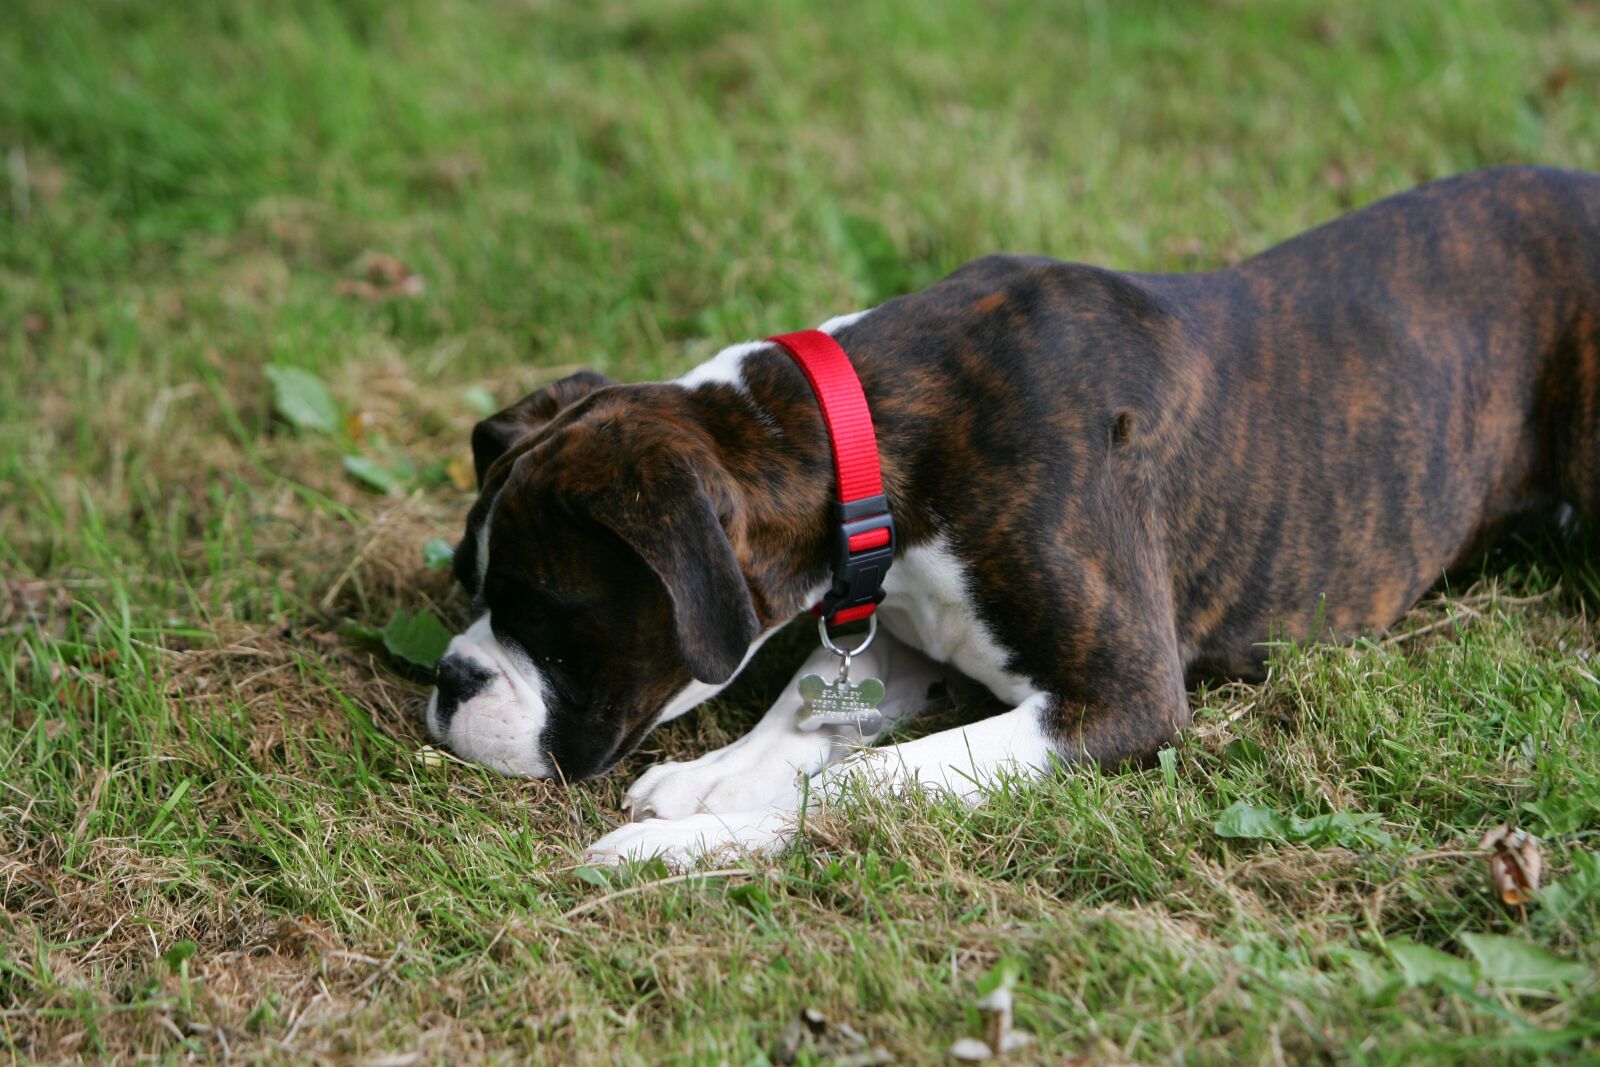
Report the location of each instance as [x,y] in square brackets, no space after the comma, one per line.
[847,654]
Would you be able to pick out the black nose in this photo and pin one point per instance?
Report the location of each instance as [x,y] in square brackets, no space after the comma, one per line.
[457,679]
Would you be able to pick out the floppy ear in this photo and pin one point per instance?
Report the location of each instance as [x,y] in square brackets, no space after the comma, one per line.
[669,520]
[494,436]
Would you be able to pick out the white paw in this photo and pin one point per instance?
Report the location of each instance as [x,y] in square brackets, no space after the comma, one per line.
[667,790]
[680,843]
[728,780]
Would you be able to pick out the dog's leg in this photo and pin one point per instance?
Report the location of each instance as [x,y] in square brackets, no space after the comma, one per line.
[763,768]
[679,843]
[1103,648]
[963,761]
[1040,734]
[1139,707]
[1022,743]
[746,797]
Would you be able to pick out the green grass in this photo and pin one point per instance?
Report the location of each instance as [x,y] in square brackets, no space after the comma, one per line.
[198,747]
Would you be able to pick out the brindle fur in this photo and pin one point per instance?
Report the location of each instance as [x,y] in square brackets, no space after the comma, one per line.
[1147,476]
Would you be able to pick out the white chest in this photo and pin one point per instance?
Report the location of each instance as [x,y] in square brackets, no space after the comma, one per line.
[927,606]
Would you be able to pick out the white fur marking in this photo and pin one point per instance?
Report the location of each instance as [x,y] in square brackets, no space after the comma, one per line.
[483,540]
[927,606]
[502,726]
[839,322]
[725,368]
[722,368]
[696,693]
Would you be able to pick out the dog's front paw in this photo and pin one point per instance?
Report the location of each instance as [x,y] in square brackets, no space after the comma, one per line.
[719,783]
[680,843]
[667,790]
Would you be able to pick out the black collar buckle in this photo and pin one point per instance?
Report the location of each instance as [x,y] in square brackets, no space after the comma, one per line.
[858,573]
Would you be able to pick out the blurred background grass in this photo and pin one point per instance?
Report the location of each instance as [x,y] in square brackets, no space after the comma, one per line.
[194,750]
[612,182]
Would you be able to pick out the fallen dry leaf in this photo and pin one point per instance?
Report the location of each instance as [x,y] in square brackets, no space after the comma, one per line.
[386,278]
[462,475]
[1515,863]
[386,270]
[358,423]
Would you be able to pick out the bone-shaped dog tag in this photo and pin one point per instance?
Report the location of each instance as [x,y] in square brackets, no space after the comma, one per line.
[840,702]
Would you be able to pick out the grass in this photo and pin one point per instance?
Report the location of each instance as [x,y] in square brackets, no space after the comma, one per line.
[219,836]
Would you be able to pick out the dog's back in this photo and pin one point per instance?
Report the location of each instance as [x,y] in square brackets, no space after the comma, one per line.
[1384,393]
[1324,429]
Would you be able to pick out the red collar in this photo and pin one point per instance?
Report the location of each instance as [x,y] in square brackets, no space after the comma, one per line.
[863,537]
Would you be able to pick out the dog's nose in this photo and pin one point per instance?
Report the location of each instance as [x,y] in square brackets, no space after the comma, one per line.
[453,674]
[457,679]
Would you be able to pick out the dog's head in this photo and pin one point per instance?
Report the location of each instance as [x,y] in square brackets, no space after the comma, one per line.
[605,591]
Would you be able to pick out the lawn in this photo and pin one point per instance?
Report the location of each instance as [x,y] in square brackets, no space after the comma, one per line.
[221,834]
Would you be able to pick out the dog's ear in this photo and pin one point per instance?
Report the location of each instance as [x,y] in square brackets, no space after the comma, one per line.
[494,436]
[667,517]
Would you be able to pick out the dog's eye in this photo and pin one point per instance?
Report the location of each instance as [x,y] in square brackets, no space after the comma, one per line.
[529,616]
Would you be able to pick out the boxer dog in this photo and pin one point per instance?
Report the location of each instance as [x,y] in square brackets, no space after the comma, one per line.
[1107,487]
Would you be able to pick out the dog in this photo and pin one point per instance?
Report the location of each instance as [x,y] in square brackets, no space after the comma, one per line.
[1107,488]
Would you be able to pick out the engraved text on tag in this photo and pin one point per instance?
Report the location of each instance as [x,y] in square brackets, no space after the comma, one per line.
[841,702]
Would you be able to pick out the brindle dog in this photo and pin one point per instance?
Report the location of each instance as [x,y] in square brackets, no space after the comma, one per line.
[1107,487]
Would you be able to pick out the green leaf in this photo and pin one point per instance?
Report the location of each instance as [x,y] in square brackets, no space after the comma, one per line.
[361,631]
[301,398]
[1565,813]
[1561,899]
[376,475]
[1366,970]
[1514,964]
[598,876]
[437,553]
[1243,752]
[1337,828]
[178,954]
[1421,965]
[480,400]
[419,638]
[1249,821]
